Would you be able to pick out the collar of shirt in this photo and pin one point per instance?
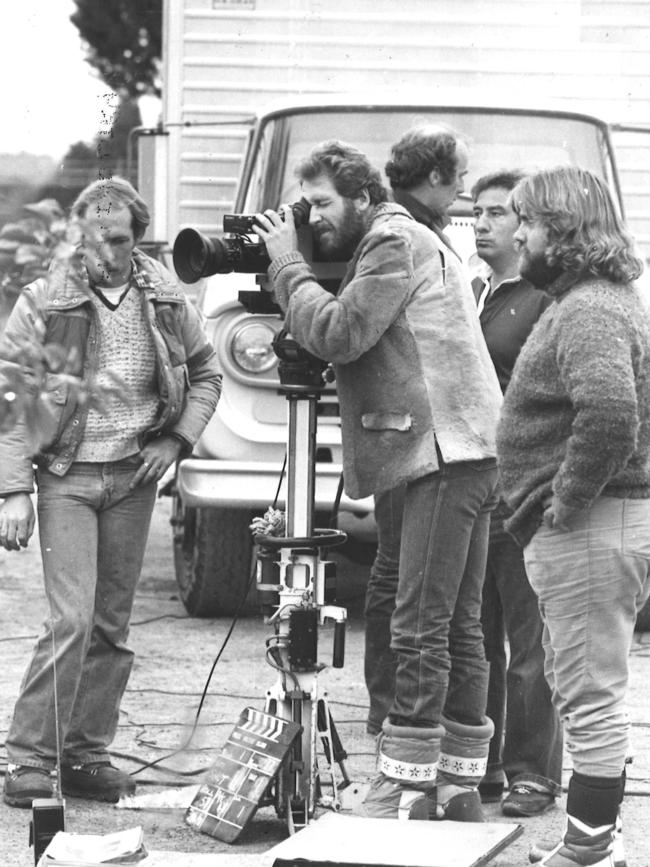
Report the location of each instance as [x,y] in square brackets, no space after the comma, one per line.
[488,290]
[420,212]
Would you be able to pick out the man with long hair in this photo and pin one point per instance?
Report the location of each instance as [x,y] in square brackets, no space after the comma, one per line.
[419,402]
[574,456]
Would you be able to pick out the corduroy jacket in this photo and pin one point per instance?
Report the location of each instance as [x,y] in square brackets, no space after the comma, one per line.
[403,335]
[57,310]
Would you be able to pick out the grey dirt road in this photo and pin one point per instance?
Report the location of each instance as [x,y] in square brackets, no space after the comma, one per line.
[174,655]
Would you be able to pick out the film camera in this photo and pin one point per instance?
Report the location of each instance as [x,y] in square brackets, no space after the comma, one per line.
[196,255]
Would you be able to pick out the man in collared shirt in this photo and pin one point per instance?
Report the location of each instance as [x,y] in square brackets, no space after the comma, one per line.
[519,700]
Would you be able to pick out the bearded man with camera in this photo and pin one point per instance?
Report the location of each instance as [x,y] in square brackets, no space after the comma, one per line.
[419,401]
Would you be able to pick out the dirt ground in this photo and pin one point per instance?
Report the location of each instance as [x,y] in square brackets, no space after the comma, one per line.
[174,655]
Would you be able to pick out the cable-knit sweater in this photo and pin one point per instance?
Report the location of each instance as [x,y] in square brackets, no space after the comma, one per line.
[126,349]
[576,416]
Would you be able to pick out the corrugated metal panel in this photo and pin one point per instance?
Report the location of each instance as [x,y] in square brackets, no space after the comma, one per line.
[229,58]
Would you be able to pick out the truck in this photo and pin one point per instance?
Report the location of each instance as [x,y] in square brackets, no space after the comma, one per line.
[236,470]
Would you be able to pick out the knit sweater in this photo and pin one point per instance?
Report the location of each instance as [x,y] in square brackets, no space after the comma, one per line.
[126,350]
[576,416]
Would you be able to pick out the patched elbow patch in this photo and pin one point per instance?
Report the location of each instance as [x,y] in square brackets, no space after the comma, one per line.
[387,421]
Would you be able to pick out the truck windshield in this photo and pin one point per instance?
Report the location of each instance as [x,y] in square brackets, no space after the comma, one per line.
[497,140]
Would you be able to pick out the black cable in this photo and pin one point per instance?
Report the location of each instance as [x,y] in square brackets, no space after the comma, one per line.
[225,641]
[337,502]
[282,472]
[159,617]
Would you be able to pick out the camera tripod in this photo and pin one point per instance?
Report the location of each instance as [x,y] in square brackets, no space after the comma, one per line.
[295,583]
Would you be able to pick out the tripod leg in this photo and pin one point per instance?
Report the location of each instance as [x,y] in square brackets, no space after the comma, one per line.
[295,786]
[332,746]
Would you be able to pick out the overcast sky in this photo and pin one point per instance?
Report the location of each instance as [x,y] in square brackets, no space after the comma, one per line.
[49,96]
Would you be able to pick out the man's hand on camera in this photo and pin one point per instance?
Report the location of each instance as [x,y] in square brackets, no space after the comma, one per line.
[277,232]
[16,521]
[157,457]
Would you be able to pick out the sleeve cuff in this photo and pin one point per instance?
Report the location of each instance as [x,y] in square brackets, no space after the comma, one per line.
[294,257]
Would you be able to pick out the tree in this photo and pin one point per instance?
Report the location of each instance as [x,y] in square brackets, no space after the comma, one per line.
[123,41]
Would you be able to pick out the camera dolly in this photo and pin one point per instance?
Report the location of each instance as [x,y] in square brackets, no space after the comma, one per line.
[296,584]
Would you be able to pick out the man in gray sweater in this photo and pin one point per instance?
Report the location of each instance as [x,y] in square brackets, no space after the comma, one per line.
[574,456]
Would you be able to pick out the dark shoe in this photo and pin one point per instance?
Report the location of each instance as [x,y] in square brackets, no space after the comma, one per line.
[524,800]
[97,781]
[23,784]
[463,807]
[491,793]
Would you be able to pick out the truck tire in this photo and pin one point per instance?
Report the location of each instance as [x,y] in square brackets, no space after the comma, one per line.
[213,552]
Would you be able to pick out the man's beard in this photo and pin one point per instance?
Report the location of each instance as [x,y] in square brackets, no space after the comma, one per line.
[338,243]
[535,268]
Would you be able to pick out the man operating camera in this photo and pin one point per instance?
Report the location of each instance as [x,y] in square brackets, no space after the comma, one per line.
[419,401]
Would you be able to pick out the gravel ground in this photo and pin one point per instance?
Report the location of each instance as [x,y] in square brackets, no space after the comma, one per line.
[174,655]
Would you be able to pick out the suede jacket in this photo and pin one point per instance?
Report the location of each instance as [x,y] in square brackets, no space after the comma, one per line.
[57,310]
[412,370]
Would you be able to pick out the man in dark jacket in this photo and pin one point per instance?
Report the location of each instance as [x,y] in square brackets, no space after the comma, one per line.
[118,315]
[574,456]
[527,742]
[419,400]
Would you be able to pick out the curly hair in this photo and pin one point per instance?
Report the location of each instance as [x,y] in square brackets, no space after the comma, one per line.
[586,234]
[421,150]
[347,167]
[119,192]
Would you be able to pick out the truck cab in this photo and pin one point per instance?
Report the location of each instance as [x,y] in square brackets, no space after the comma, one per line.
[236,470]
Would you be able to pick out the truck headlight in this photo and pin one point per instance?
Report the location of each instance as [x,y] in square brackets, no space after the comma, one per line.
[251,347]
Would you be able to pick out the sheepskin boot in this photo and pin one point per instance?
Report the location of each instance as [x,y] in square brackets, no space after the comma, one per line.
[407,761]
[461,767]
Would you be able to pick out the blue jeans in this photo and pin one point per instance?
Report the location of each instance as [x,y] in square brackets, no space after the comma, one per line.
[591,582]
[527,741]
[93,533]
[435,628]
[380,662]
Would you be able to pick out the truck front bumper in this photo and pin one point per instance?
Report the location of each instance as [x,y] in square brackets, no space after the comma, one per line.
[253,485]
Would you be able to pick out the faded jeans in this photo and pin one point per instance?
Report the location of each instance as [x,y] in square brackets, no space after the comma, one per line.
[93,532]
[435,627]
[591,582]
[527,741]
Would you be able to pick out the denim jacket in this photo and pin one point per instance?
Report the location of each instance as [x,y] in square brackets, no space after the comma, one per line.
[57,310]
[412,369]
